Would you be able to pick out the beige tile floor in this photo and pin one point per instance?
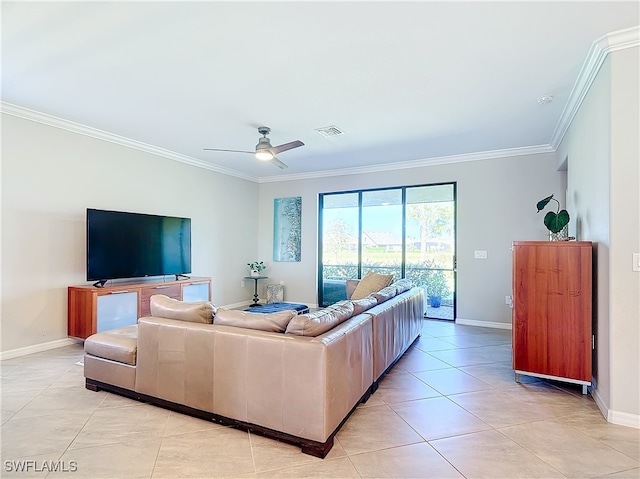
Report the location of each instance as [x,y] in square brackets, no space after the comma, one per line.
[449,408]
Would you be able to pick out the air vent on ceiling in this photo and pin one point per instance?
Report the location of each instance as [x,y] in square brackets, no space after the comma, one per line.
[328,131]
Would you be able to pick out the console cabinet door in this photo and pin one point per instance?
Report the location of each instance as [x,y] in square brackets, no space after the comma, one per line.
[117,309]
[196,292]
[552,309]
[171,290]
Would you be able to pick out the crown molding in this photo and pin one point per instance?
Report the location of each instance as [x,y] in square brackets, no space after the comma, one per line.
[56,122]
[440,160]
[600,48]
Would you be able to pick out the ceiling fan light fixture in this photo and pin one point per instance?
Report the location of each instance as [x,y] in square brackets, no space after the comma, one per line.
[264,155]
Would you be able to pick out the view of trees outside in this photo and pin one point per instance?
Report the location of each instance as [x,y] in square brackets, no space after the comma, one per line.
[429,243]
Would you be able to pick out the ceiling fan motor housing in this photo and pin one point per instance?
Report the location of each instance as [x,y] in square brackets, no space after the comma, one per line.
[263,144]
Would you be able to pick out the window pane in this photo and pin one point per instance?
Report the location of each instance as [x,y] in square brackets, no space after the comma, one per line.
[339,245]
[430,239]
[382,232]
[405,231]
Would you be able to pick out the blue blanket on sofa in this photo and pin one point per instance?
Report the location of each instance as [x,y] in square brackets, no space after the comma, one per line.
[275,307]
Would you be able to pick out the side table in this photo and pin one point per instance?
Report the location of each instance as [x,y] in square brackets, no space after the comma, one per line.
[255,289]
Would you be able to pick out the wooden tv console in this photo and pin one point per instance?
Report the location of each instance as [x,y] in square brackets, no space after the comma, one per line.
[92,309]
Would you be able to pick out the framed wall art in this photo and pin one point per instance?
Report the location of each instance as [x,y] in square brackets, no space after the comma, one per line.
[287,228]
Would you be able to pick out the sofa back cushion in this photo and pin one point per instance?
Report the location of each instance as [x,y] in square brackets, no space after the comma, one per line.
[362,305]
[371,283]
[384,294]
[274,322]
[321,321]
[402,285]
[196,312]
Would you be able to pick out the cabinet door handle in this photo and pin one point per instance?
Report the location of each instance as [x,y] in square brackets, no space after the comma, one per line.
[161,287]
[199,282]
[118,292]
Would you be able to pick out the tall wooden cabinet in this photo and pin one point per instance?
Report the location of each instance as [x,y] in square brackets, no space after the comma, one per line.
[552,310]
[92,309]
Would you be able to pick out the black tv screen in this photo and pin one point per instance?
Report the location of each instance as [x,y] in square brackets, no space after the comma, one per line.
[133,245]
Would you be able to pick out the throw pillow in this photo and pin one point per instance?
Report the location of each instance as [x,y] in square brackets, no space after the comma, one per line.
[321,321]
[273,322]
[196,312]
[371,283]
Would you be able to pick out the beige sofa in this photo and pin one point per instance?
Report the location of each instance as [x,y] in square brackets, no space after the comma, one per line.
[299,386]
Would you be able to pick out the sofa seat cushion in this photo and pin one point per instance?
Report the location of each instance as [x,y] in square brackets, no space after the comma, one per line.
[196,312]
[371,283]
[120,345]
[274,322]
[321,321]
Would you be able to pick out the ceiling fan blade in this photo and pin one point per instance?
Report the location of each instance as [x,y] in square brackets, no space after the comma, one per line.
[287,146]
[278,163]
[232,151]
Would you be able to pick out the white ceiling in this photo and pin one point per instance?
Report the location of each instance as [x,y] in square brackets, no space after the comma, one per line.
[404,81]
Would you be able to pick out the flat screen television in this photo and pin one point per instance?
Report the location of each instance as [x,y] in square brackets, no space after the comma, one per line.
[134,245]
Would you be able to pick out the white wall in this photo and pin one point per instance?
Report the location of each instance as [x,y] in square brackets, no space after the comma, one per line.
[624,299]
[602,147]
[50,176]
[496,205]
[587,146]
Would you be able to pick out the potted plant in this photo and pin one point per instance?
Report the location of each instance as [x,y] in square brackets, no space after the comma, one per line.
[256,267]
[437,287]
[557,223]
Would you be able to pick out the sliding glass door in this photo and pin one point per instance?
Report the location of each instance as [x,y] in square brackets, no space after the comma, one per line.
[407,231]
[430,237]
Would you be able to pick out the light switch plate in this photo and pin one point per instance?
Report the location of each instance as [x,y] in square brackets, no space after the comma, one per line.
[636,261]
[482,254]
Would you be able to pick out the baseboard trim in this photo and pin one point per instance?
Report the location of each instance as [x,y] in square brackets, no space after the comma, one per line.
[595,394]
[483,324]
[624,419]
[614,417]
[38,348]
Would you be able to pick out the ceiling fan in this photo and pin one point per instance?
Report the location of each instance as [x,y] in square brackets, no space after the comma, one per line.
[264,151]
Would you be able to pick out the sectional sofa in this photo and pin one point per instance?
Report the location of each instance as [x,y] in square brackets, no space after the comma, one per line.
[296,378]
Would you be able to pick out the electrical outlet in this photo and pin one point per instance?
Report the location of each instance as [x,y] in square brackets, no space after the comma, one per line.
[636,262]
[241,283]
[482,254]
[508,300]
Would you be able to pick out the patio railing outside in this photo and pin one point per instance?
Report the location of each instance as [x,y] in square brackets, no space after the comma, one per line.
[335,276]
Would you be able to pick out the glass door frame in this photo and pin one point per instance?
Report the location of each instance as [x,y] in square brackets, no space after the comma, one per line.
[403,265]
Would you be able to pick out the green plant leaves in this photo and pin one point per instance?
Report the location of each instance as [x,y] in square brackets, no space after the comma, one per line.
[542,203]
[556,221]
[553,221]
